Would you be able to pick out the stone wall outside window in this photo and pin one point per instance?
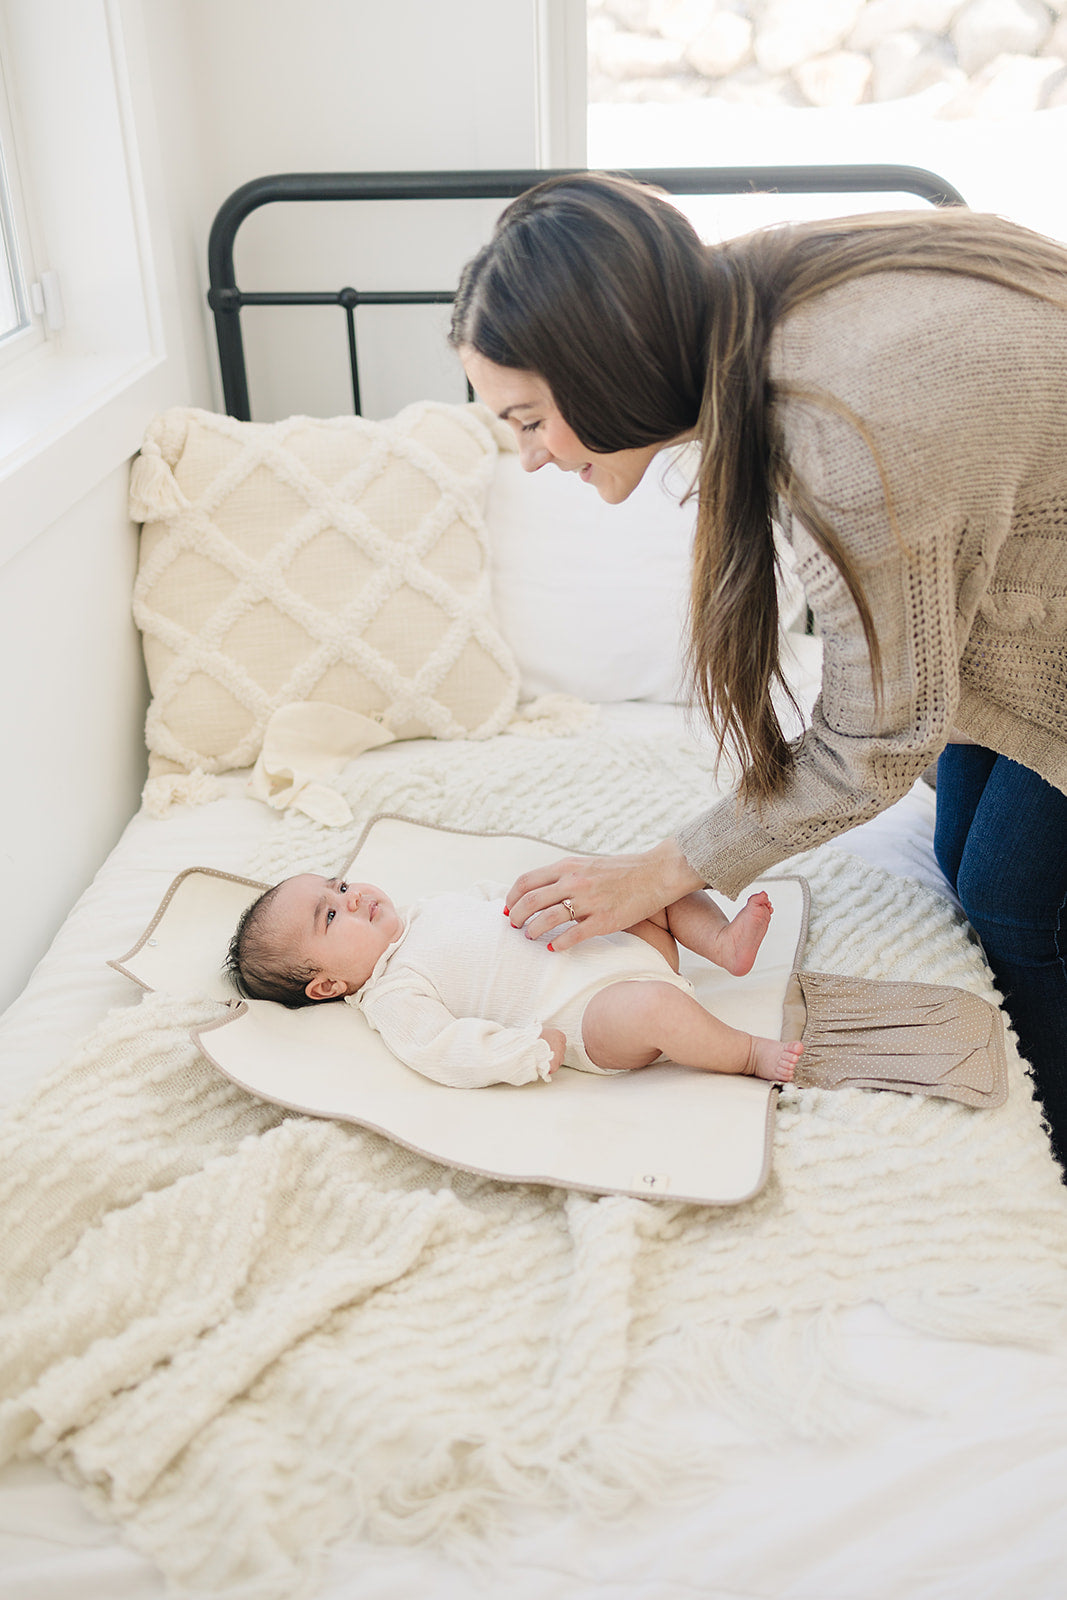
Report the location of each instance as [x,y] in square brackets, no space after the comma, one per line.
[963,57]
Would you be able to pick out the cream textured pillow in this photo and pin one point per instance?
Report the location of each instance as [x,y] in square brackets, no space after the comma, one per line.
[338,560]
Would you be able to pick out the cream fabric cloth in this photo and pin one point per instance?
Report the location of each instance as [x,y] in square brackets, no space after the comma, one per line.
[309,741]
[305,743]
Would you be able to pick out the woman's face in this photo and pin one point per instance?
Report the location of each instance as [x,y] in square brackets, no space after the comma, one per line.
[525,401]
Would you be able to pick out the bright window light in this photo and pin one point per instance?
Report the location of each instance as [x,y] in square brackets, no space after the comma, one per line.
[19,329]
[13,314]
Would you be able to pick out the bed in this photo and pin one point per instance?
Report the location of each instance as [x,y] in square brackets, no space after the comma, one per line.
[252,1353]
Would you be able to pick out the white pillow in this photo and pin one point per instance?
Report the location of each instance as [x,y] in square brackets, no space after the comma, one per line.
[591,597]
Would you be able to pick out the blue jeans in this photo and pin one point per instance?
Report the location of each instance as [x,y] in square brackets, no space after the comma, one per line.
[1001,841]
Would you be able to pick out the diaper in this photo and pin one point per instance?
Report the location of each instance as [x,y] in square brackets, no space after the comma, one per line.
[569,1018]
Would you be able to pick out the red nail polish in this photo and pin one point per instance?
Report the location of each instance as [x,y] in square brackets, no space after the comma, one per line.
[507,913]
[550,947]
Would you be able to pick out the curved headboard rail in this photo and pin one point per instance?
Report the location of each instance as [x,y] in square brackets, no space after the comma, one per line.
[226,299]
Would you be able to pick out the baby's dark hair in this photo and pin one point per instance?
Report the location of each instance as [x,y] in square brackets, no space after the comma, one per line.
[258,968]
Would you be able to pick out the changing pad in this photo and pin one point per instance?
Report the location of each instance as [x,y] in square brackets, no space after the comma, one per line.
[695,1136]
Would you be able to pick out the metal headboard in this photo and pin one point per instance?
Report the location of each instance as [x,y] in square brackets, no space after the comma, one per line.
[226,299]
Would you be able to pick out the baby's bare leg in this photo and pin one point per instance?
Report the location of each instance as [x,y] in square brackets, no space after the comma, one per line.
[654,931]
[700,924]
[628,1025]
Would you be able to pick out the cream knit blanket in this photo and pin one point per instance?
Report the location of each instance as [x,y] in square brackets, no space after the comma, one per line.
[247,1333]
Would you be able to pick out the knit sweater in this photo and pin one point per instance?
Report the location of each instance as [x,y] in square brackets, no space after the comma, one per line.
[962,387]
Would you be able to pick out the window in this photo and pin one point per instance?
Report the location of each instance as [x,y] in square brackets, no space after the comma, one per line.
[977,94]
[13,316]
[19,329]
[78,134]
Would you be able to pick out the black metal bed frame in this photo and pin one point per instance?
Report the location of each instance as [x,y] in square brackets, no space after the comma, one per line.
[227,300]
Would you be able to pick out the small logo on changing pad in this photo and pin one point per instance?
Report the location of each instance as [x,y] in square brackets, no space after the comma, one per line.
[652,1182]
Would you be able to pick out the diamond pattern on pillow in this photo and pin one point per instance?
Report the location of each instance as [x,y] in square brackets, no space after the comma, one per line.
[341,560]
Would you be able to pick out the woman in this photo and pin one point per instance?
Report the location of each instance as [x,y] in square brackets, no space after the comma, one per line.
[893,389]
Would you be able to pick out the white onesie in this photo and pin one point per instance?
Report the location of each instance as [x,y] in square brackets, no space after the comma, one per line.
[462,996]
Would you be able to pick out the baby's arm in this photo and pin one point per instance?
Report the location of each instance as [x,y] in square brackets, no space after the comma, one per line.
[463,1052]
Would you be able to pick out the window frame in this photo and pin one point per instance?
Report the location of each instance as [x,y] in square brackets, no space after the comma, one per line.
[74,407]
[15,237]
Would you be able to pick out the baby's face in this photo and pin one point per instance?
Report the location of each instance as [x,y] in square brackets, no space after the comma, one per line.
[338,928]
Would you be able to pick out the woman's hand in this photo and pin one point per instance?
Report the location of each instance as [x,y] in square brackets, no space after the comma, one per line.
[599,894]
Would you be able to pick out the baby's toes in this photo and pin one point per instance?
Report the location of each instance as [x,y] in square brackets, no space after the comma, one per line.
[791,1055]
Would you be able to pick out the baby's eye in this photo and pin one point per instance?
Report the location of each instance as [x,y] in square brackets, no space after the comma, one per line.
[342,888]
[330,916]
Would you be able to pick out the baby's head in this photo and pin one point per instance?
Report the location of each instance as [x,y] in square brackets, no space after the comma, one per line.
[311,938]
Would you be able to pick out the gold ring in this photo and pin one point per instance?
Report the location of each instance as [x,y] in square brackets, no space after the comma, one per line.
[568,906]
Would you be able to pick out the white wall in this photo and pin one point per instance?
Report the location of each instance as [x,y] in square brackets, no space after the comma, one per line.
[224,91]
[70,716]
[74,690]
[358,87]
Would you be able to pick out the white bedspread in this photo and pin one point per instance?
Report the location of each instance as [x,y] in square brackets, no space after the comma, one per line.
[622,1347]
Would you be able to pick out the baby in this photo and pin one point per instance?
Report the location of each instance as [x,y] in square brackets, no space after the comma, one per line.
[430,978]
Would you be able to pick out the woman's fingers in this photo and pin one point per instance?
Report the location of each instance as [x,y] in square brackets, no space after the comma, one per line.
[587,895]
[575,932]
[553,921]
[535,900]
[525,885]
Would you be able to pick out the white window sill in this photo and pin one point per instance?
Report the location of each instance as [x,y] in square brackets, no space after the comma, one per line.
[66,426]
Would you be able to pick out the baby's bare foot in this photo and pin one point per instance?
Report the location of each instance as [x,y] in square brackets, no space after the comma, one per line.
[772,1060]
[740,940]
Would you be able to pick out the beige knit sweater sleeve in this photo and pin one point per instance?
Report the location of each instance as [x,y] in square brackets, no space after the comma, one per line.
[922,360]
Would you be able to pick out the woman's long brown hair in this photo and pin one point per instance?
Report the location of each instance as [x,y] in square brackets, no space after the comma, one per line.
[602,288]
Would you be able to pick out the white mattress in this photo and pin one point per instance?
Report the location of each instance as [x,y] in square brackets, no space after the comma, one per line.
[958,1497]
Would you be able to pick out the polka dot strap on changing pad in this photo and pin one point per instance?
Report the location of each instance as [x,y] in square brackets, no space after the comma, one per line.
[916,1038]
